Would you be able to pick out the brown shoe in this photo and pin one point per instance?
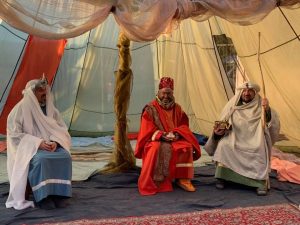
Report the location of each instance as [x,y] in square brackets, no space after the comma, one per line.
[186,185]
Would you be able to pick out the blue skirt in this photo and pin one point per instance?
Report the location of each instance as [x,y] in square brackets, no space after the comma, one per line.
[50,173]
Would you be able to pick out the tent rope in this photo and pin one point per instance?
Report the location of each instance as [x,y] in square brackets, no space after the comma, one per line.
[289,23]
[14,70]
[84,61]
[1,25]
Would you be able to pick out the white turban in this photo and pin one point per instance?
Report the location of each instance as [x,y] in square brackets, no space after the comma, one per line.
[249,85]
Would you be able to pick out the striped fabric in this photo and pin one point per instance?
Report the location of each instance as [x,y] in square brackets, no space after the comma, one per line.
[50,173]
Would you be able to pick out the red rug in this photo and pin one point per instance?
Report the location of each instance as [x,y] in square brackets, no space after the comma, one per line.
[2,146]
[284,214]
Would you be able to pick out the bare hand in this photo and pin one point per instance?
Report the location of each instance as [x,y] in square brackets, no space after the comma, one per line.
[219,131]
[265,104]
[53,145]
[48,146]
[169,137]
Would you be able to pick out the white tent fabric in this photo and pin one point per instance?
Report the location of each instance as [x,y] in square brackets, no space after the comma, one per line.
[140,20]
[83,86]
[89,63]
[280,46]
[204,92]
[12,43]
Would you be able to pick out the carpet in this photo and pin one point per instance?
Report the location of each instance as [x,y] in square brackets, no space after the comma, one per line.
[2,146]
[282,214]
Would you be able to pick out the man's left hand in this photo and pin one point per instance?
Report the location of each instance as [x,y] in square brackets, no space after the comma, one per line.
[169,137]
[53,145]
[265,104]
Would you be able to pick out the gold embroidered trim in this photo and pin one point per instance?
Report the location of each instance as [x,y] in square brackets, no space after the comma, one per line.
[154,135]
[184,165]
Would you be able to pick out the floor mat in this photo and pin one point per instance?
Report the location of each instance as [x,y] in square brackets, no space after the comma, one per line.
[271,215]
[116,195]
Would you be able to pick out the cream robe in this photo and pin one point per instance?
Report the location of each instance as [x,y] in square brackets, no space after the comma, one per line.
[27,126]
[246,148]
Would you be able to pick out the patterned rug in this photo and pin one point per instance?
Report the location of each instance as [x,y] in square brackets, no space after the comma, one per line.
[283,214]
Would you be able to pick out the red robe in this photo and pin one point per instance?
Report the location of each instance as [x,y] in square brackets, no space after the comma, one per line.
[184,150]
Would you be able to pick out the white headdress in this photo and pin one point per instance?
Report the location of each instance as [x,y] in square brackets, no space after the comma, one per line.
[249,85]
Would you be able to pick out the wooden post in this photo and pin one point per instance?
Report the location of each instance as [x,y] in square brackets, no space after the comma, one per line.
[122,158]
[263,112]
[263,115]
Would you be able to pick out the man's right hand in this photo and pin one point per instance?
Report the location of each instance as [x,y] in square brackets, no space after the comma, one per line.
[169,137]
[219,131]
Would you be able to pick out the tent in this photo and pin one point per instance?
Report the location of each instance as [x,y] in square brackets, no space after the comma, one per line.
[190,52]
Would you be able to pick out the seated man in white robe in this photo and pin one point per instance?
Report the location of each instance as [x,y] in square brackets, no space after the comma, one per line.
[38,146]
[240,144]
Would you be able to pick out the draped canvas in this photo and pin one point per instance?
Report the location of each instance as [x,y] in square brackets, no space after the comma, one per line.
[141,20]
[280,63]
[187,55]
[34,63]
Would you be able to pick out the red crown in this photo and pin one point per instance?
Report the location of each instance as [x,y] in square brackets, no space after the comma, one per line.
[166,82]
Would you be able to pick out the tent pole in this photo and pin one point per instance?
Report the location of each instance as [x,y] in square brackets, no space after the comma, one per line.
[122,157]
[262,83]
[263,112]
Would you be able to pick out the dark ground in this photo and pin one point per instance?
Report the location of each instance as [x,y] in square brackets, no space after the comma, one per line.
[104,196]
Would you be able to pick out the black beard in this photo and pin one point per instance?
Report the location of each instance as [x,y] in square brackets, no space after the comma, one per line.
[247,101]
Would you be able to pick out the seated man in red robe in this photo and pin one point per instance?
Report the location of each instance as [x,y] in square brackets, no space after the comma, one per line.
[165,144]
